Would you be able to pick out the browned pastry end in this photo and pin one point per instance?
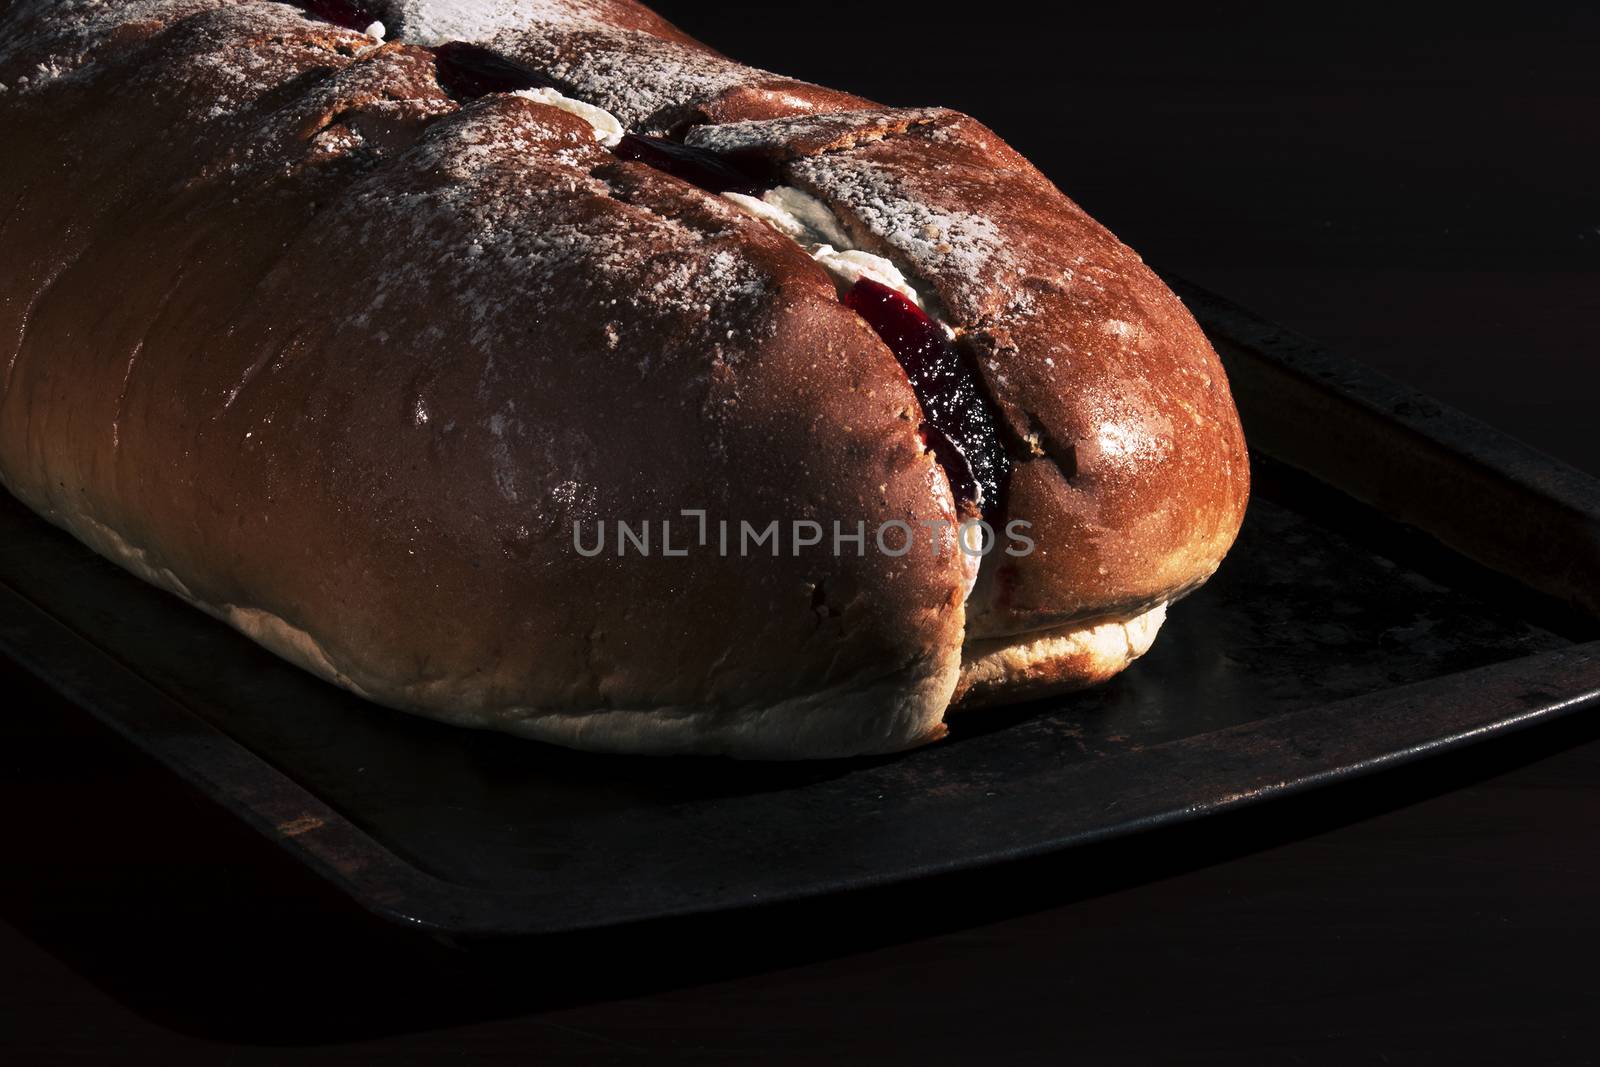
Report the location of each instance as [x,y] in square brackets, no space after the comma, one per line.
[340,343]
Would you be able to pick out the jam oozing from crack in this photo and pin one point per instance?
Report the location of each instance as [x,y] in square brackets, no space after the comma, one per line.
[351,14]
[694,165]
[959,429]
[468,71]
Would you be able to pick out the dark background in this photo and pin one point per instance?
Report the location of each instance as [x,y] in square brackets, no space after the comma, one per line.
[1416,188]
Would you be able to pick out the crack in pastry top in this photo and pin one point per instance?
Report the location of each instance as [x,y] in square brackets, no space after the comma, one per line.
[68,30]
[462,191]
[796,214]
[610,76]
[813,226]
[624,59]
[676,70]
[472,219]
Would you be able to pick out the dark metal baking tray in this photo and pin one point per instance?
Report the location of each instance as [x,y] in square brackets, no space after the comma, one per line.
[1407,581]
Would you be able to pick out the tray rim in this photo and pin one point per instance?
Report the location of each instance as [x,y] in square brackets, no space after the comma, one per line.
[361,867]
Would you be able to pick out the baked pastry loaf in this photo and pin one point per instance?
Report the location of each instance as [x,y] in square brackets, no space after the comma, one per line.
[357,324]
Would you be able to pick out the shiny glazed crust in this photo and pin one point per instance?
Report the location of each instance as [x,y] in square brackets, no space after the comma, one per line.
[290,332]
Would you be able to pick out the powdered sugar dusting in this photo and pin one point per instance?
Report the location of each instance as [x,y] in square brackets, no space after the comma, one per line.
[617,56]
[211,58]
[935,243]
[492,255]
[48,39]
[227,67]
[433,22]
[647,82]
[810,133]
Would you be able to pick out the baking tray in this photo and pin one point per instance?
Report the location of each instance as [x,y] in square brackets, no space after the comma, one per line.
[1407,581]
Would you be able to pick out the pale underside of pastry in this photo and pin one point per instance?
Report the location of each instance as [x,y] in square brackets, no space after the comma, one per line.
[344,356]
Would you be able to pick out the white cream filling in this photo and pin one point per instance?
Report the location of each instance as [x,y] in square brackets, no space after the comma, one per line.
[607,130]
[795,214]
[813,226]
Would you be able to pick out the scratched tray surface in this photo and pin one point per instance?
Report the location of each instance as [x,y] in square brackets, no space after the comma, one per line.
[1321,605]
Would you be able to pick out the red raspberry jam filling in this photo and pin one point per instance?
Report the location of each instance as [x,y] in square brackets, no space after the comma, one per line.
[960,429]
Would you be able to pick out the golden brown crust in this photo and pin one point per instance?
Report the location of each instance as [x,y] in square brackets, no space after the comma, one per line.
[1130,465]
[372,353]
